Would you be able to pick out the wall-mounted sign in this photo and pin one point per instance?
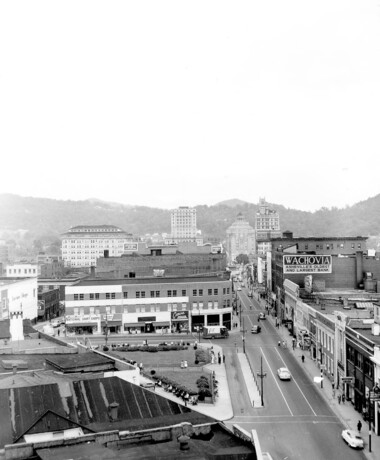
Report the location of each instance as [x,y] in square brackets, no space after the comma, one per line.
[305,263]
[131,247]
[180,315]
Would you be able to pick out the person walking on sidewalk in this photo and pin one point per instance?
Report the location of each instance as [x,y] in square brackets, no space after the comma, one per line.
[343,398]
[303,358]
[339,398]
[359,425]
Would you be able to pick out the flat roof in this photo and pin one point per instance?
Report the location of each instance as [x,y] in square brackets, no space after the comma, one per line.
[150,280]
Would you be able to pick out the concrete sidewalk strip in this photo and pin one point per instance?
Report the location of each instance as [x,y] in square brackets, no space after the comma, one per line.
[250,382]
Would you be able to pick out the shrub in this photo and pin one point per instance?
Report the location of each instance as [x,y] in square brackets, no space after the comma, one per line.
[202,355]
[105,348]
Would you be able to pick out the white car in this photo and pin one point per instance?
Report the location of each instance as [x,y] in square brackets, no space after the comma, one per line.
[353,439]
[55,323]
[238,289]
[266,456]
[284,374]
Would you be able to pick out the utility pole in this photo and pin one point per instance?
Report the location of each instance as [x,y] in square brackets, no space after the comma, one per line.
[243,337]
[106,331]
[262,374]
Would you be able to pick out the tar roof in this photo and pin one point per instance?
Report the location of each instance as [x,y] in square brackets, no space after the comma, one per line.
[86,403]
[151,280]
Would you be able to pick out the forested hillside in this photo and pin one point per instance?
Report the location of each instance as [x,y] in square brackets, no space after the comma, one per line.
[42,217]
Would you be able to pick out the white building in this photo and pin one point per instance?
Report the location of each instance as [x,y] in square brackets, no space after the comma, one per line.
[184,226]
[82,245]
[18,295]
[22,270]
[267,225]
[240,238]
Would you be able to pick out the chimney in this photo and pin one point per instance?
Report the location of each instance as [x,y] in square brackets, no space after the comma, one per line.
[113,410]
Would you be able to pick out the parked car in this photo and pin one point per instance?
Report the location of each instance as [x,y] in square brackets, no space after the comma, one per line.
[262,315]
[256,329]
[238,289]
[266,456]
[353,439]
[284,374]
[250,294]
[55,323]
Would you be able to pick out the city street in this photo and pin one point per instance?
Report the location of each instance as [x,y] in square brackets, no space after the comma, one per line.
[295,421]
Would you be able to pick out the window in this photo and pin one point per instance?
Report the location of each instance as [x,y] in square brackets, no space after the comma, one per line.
[76,296]
[209,291]
[152,309]
[228,290]
[194,292]
[97,295]
[174,293]
[81,296]
[92,310]
[183,292]
[352,245]
[359,245]
[137,294]
[152,293]
[327,246]
[157,293]
[91,296]
[174,307]
[215,292]
[195,305]
[183,306]
[125,295]
[143,294]
[76,311]
[306,247]
[113,295]
[209,304]
[108,295]
[216,304]
[169,293]
[200,292]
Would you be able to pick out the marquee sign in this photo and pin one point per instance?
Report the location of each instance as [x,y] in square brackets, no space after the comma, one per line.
[307,263]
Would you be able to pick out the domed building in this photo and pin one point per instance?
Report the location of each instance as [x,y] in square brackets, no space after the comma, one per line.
[240,238]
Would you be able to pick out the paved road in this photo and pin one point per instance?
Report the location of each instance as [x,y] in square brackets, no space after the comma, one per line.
[295,422]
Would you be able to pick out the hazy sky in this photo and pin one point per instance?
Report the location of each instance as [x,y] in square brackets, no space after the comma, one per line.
[168,103]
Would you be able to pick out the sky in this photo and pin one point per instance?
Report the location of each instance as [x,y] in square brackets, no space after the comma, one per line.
[184,103]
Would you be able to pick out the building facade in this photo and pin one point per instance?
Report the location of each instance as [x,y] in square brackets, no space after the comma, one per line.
[240,239]
[184,226]
[18,295]
[148,305]
[22,270]
[82,245]
[267,225]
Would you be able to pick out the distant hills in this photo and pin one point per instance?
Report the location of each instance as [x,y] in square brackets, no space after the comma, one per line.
[42,217]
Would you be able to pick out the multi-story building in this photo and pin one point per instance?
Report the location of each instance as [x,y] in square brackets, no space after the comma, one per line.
[240,238]
[267,225]
[153,304]
[184,226]
[22,270]
[48,303]
[18,295]
[82,245]
[182,259]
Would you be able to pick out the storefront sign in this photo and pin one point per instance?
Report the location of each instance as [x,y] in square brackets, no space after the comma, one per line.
[305,263]
[180,315]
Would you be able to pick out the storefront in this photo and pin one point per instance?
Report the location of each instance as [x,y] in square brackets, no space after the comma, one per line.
[180,321]
[112,323]
[83,325]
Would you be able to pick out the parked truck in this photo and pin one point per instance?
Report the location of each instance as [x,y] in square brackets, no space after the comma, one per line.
[215,332]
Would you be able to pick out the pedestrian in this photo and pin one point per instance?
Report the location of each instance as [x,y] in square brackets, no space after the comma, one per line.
[294,343]
[224,359]
[359,425]
[279,343]
[339,398]
[303,358]
[343,398]
[284,343]
[219,358]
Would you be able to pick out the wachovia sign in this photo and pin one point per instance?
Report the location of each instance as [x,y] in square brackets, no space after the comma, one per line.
[305,263]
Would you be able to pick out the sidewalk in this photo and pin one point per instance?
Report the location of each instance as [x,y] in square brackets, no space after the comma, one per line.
[344,411]
[221,410]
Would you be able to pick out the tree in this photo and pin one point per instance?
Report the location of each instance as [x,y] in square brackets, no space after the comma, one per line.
[242,259]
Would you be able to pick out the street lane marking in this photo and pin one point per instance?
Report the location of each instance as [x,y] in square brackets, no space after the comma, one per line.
[294,380]
[275,380]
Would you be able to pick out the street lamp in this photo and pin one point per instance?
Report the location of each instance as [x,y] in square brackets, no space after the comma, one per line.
[243,338]
[373,395]
[106,331]
[262,374]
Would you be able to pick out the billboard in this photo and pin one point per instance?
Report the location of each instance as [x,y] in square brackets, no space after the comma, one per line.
[131,247]
[306,263]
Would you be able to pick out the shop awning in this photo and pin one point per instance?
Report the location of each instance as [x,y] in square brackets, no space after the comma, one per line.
[113,320]
[134,324]
[84,324]
[161,324]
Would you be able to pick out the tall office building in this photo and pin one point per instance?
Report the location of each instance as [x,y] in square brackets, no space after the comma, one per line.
[184,226]
[240,238]
[267,225]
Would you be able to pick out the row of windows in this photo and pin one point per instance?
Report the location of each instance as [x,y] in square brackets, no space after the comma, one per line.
[196,306]
[361,362]
[142,294]
[19,271]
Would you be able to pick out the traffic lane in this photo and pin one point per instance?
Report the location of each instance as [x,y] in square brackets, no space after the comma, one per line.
[297,439]
[306,385]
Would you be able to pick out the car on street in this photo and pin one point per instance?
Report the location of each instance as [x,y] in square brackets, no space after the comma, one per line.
[250,294]
[353,439]
[55,323]
[262,315]
[266,456]
[256,329]
[238,289]
[284,374]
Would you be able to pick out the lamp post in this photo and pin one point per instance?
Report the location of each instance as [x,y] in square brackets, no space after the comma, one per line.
[106,331]
[243,337]
[373,395]
[262,374]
